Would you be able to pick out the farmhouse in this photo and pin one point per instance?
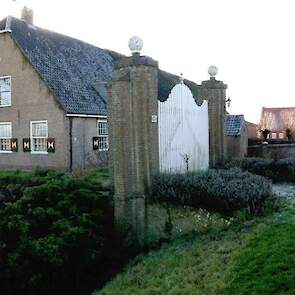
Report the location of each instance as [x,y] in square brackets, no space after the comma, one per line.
[279,121]
[53,97]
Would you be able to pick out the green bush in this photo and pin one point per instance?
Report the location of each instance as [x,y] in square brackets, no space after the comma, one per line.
[223,191]
[56,234]
[277,170]
[258,166]
[285,170]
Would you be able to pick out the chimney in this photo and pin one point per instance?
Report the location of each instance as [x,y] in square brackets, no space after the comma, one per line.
[27,15]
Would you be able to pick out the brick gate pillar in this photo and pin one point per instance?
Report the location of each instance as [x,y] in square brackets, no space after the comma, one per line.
[133,113]
[215,92]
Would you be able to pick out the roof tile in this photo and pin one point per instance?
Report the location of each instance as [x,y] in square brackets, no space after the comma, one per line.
[234,124]
[75,71]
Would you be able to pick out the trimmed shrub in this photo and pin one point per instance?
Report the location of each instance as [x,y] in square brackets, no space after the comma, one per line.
[56,234]
[277,170]
[258,166]
[223,191]
[285,170]
[280,170]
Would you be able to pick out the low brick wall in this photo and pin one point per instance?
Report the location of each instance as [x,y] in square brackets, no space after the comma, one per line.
[272,151]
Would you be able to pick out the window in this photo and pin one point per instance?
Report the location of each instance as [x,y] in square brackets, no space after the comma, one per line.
[281,135]
[39,135]
[102,131]
[274,135]
[5,137]
[5,91]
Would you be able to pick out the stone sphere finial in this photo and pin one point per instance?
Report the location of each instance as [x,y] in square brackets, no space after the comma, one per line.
[135,44]
[181,78]
[212,71]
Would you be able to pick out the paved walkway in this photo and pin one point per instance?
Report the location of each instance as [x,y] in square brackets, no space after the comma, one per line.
[284,190]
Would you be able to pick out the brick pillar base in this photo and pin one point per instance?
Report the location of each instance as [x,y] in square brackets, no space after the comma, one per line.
[133,139]
[215,92]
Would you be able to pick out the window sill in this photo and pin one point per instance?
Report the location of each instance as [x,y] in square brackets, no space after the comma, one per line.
[39,153]
[5,106]
[5,152]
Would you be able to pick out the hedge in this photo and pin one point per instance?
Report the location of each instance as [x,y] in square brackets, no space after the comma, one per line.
[223,191]
[56,234]
[277,170]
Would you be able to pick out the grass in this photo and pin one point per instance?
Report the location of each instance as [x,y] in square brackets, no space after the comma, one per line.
[187,266]
[221,256]
[266,265]
[252,257]
[170,221]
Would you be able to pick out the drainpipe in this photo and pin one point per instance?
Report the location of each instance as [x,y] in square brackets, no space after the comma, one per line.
[71,143]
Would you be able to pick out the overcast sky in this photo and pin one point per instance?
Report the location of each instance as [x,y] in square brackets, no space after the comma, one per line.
[250,41]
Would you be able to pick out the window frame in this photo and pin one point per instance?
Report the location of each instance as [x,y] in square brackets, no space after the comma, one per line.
[3,151]
[6,105]
[32,138]
[102,135]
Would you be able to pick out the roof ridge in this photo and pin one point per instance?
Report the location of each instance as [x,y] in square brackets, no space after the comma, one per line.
[277,108]
[71,67]
[236,115]
[8,23]
[5,25]
[54,32]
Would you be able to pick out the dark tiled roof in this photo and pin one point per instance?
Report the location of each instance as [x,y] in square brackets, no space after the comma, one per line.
[167,81]
[75,71]
[234,124]
[71,68]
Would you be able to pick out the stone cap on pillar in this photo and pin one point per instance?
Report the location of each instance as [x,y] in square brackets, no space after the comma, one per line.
[136,60]
[213,83]
[135,45]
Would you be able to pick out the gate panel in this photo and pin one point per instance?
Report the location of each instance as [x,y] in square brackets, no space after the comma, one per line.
[183,132]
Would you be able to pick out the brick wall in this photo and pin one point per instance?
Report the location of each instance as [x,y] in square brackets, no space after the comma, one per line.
[215,92]
[83,154]
[31,100]
[252,130]
[236,145]
[272,151]
[133,139]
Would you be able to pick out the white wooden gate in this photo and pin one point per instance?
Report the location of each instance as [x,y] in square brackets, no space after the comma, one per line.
[183,132]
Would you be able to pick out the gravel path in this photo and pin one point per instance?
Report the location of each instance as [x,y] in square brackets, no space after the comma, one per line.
[284,190]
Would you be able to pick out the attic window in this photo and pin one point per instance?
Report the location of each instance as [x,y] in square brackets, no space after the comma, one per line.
[5,91]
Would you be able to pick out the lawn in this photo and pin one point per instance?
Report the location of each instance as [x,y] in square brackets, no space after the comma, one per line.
[61,220]
[266,265]
[251,257]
